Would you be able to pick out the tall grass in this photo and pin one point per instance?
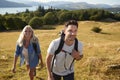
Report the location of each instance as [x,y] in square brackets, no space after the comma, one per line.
[100,51]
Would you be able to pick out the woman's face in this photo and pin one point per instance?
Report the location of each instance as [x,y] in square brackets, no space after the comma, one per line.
[28,33]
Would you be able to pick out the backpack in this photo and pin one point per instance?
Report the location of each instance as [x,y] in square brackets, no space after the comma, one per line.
[60,49]
[35,47]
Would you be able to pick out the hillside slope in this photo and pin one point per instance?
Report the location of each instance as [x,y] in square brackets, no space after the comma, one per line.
[5,3]
[101,50]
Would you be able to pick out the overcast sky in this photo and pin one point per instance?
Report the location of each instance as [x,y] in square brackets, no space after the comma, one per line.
[111,2]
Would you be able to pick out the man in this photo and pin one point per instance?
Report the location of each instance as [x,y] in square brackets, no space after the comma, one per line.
[62,64]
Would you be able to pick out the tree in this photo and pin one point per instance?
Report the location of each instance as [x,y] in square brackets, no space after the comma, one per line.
[75,16]
[36,22]
[27,16]
[2,20]
[41,10]
[10,25]
[84,15]
[27,19]
[65,16]
[50,18]
[117,16]
[37,14]
[2,27]
[98,15]
[27,11]
[19,23]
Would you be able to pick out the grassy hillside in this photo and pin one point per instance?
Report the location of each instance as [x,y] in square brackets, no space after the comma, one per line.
[101,50]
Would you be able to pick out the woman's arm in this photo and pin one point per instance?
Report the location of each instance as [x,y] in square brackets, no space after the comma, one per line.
[14,64]
[41,60]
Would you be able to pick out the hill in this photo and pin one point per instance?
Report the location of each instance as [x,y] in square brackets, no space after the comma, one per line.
[101,52]
[79,5]
[71,5]
[76,5]
[5,3]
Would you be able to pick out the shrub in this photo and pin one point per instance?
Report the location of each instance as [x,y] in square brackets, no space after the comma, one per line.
[2,27]
[96,29]
[10,25]
[50,18]
[36,22]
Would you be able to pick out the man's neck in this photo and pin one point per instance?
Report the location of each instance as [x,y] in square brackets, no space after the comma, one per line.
[68,42]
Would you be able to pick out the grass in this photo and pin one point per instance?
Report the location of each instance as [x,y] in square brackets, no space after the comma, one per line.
[100,51]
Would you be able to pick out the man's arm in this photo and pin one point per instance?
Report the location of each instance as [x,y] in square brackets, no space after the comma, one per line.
[48,65]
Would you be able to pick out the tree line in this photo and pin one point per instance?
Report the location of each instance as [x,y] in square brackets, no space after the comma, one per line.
[51,16]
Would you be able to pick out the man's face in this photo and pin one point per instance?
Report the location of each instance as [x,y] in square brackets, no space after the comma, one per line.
[71,32]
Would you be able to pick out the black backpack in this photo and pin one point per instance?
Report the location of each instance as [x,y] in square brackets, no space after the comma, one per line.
[35,47]
[60,48]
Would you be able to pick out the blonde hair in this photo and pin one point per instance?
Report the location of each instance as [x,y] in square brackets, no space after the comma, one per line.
[21,36]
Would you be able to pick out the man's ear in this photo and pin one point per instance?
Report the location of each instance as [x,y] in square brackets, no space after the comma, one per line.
[64,30]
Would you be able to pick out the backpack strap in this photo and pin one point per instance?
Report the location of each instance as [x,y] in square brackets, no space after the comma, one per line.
[76,48]
[76,44]
[35,47]
[58,50]
[60,46]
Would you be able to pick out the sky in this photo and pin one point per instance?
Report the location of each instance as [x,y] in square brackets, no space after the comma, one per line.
[110,2]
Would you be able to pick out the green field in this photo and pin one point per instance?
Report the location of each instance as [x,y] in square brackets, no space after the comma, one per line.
[101,50]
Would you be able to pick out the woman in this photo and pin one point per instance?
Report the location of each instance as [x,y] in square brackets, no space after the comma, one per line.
[29,51]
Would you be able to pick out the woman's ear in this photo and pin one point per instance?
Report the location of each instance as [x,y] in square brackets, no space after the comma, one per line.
[32,34]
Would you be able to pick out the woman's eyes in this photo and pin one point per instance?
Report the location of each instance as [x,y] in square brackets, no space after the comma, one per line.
[28,31]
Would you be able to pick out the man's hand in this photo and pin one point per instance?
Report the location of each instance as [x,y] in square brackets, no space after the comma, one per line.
[75,54]
[50,77]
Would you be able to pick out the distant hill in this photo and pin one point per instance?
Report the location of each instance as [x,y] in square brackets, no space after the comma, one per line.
[116,6]
[5,3]
[73,5]
[78,5]
[61,5]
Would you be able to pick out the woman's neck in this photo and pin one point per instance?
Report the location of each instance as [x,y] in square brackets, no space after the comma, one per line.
[26,43]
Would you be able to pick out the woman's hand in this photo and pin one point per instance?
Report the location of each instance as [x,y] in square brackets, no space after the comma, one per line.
[13,69]
[41,65]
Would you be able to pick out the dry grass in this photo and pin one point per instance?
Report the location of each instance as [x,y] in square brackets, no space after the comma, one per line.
[100,51]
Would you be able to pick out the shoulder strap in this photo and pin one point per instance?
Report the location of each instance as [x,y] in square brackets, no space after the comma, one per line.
[60,46]
[76,44]
[76,48]
[35,47]
[58,50]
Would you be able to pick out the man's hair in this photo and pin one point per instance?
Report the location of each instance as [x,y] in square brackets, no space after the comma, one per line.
[71,22]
